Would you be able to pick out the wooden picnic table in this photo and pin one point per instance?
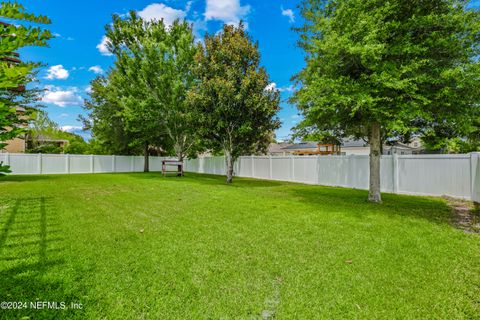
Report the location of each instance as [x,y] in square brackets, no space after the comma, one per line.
[170,163]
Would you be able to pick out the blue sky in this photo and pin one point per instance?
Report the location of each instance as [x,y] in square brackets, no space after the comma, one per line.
[76,56]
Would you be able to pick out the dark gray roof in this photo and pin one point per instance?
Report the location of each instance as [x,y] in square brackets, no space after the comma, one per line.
[277,147]
[302,145]
[350,143]
[347,143]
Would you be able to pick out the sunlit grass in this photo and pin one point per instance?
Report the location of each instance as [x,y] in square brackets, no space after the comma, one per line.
[133,246]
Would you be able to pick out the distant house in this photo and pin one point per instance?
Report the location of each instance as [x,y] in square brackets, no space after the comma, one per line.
[348,147]
[39,141]
[18,144]
[277,149]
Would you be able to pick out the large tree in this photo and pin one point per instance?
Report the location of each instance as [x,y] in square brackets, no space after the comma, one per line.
[236,110]
[380,67]
[156,62]
[106,119]
[16,74]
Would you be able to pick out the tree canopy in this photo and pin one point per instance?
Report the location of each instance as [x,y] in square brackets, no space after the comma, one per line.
[236,111]
[16,74]
[388,68]
[145,92]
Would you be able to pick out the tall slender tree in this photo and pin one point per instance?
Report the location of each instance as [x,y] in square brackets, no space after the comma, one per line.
[16,74]
[148,85]
[388,66]
[106,119]
[236,111]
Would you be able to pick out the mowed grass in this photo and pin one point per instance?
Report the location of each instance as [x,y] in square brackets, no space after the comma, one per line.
[252,250]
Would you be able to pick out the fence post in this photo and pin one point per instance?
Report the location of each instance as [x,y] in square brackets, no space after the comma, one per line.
[317,170]
[395,173]
[132,163]
[293,167]
[67,163]
[40,169]
[474,176]
[253,166]
[113,164]
[92,169]
[352,168]
[7,159]
[270,166]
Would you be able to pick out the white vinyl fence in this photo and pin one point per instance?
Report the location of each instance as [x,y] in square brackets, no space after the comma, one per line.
[436,175]
[452,175]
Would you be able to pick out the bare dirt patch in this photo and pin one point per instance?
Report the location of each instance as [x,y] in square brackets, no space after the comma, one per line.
[466,215]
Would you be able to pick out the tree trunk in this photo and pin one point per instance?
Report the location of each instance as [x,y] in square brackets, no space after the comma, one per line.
[146,166]
[229,162]
[374,194]
[180,159]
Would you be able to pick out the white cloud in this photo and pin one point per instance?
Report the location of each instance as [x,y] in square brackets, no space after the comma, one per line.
[57,72]
[288,13]
[59,36]
[88,89]
[159,11]
[96,69]
[71,128]
[62,98]
[64,115]
[228,11]
[102,47]
[271,87]
[188,6]
[290,88]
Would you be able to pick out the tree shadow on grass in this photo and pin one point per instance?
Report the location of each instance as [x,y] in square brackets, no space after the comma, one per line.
[32,261]
[29,178]
[355,203]
[209,179]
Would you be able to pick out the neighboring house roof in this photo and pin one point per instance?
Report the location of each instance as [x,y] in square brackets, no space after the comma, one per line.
[346,143]
[46,138]
[402,146]
[302,146]
[351,143]
[277,147]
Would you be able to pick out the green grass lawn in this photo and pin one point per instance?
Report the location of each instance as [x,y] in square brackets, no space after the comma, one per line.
[256,249]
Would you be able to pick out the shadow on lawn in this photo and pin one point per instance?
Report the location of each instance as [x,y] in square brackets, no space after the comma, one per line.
[31,259]
[29,178]
[210,179]
[355,203]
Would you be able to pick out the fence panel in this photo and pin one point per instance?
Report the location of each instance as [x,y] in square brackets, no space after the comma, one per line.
[103,164]
[80,164]
[244,167]
[123,164]
[53,163]
[155,164]
[214,165]
[305,170]
[282,168]
[25,163]
[333,171]
[435,175]
[261,167]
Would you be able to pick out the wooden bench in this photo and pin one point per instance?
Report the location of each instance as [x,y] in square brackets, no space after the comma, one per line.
[175,163]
